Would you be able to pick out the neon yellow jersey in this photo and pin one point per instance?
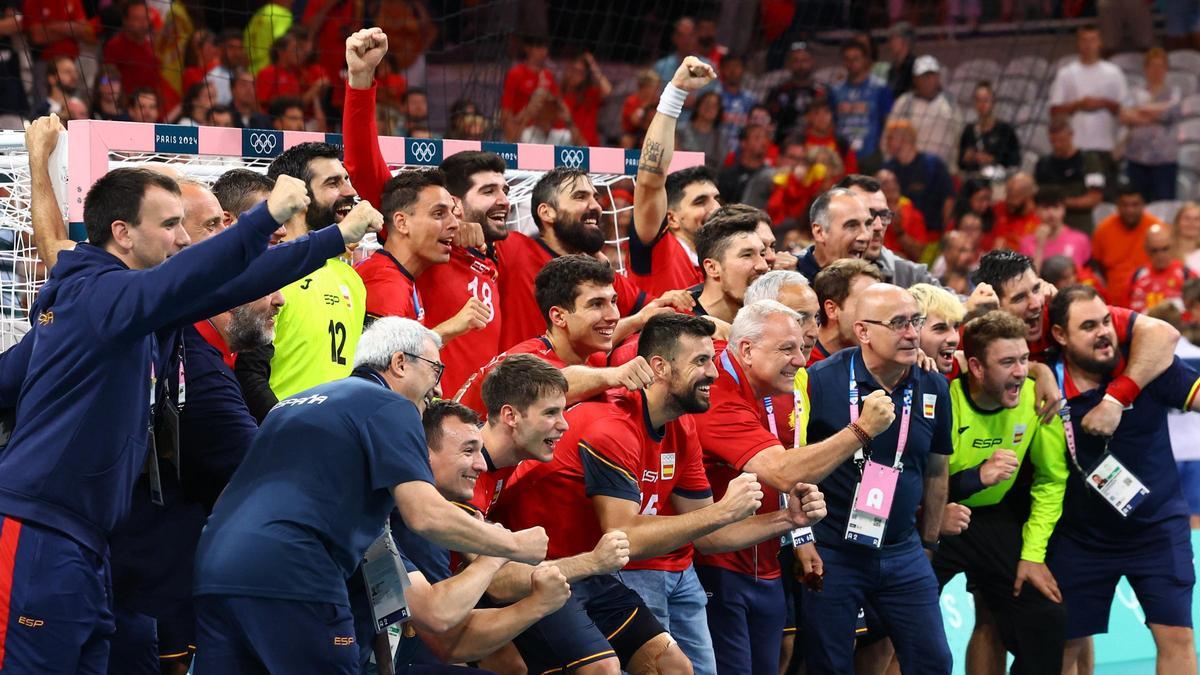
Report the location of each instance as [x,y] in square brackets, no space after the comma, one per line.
[317,329]
[979,433]
[267,25]
[801,408]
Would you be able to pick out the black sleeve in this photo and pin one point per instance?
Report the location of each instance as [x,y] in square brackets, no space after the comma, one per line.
[640,254]
[964,484]
[966,141]
[253,371]
[1011,155]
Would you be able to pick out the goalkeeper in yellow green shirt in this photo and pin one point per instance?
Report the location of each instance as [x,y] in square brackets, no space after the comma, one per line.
[1010,470]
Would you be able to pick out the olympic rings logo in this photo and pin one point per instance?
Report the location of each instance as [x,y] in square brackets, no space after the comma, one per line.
[263,144]
[571,157]
[423,151]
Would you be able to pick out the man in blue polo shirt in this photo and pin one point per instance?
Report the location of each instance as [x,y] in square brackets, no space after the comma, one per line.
[870,542]
[1124,513]
[313,493]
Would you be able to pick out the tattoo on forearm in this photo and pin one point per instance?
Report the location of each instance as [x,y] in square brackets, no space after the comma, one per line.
[652,154]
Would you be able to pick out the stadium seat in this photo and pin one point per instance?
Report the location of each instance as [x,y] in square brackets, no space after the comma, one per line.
[1028,161]
[1017,89]
[1130,62]
[1033,67]
[1185,187]
[1189,131]
[1035,138]
[830,74]
[962,91]
[1190,106]
[975,70]
[1186,82]
[1102,211]
[1165,210]
[1189,158]
[1187,60]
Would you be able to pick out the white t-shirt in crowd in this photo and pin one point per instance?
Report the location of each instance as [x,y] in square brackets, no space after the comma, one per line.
[1094,129]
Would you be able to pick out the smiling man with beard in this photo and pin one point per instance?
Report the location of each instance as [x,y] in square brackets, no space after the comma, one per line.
[1114,529]
[633,463]
[1145,342]
[564,209]
[997,432]
[319,326]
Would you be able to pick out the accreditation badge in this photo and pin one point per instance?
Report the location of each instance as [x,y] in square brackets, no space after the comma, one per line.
[1117,485]
[386,580]
[872,504]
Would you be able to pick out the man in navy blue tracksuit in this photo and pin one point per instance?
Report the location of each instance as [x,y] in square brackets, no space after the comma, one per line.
[106,331]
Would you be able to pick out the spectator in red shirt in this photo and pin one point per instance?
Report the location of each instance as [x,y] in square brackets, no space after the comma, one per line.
[908,234]
[584,89]
[1016,216]
[638,109]
[975,196]
[821,132]
[56,27]
[132,51]
[201,58]
[524,78]
[282,77]
[1163,279]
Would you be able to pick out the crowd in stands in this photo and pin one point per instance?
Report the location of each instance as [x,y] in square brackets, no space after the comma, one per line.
[865,345]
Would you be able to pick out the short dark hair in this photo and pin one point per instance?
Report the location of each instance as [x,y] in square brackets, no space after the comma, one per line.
[558,282]
[660,336]
[679,181]
[401,191]
[1056,267]
[279,106]
[1129,190]
[545,191]
[1000,266]
[440,410]
[413,91]
[858,180]
[228,34]
[118,196]
[721,226]
[519,381]
[833,282]
[238,190]
[296,160]
[1060,305]
[130,4]
[851,43]
[460,168]
[143,91]
[1048,196]
[218,109]
[982,331]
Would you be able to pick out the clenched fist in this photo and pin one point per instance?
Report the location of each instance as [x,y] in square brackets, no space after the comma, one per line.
[634,375]
[806,505]
[548,588]
[693,74]
[998,468]
[287,198]
[742,498]
[611,552]
[42,137]
[473,315]
[955,519]
[364,50]
[363,218]
[530,545]
[878,413]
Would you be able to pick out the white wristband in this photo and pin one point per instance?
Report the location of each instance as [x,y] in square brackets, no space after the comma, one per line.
[671,101]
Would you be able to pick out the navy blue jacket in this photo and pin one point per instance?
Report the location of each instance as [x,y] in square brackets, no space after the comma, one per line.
[100,331]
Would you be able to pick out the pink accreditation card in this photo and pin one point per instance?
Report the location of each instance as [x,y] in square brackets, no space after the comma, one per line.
[876,490]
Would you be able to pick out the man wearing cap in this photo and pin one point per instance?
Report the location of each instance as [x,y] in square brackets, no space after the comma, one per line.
[788,102]
[934,115]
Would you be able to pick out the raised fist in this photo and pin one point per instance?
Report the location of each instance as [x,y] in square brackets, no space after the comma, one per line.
[806,505]
[998,468]
[42,137]
[878,413]
[287,198]
[364,50]
[693,74]
[363,218]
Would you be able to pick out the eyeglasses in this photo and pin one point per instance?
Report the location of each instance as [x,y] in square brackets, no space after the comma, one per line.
[884,215]
[900,323]
[437,366]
